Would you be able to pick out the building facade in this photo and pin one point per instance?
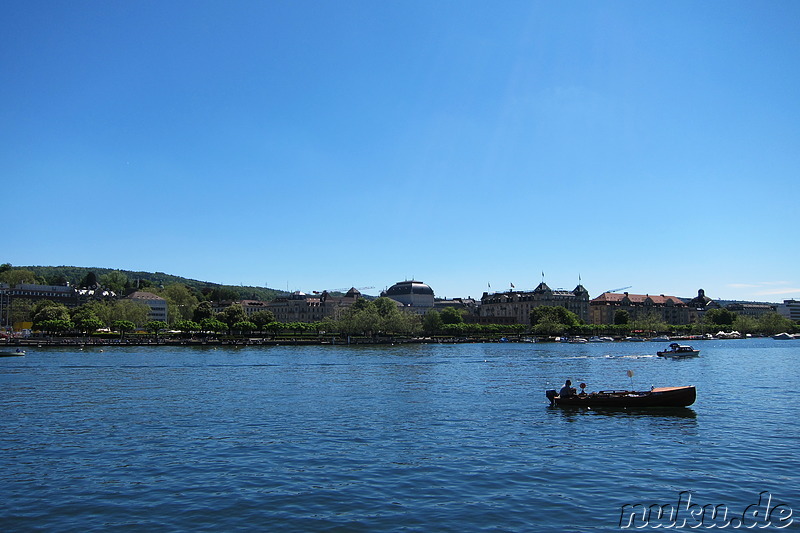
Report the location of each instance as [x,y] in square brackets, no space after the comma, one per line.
[413,295]
[669,309]
[157,304]
[514,307]
[300,307]
[60,294]
[790,309]
[751,309]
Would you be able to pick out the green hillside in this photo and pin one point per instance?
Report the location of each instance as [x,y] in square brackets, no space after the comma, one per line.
[60,275]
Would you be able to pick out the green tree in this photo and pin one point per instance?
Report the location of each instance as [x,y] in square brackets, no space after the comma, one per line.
[277,327]
[719,317]
[55,325]
[89,281]
[20,310]
[17,276]
[432,323]
[85,319]
[49,313]
[773,323]
[361,318]
[652,321]
[56,278]
[554,314]
[123,326]
[409,323]
[213,325]
[202,311]
[243,326]
[622,316]
[385,306]
[451,315]
[41,304]
[190,326]
[180,300]
[549,326]
[745,324]
[222,294]
[114,281]
[232,314]
[154,326]
[262,318]
[136,312]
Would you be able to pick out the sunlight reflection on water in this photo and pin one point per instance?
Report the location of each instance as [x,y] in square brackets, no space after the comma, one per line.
[381,438]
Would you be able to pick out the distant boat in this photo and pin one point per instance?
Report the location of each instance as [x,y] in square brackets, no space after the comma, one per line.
[660,338]
[10,353]
[678,350]
[783,336]
[577,340]
[635,339]
[655,397]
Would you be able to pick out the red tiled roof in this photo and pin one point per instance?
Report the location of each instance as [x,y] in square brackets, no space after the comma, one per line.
[613,297]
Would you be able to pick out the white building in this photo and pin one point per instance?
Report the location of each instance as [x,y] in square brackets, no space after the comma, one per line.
[790,309]
[157,304]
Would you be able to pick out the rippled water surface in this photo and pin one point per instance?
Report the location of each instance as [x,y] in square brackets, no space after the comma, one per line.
[386,438]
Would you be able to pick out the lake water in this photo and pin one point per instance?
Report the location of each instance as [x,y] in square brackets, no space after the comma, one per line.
[386,438]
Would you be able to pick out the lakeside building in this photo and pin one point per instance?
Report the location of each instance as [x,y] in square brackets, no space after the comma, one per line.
[157,304]
[413,295]
[790,309]
[249,306]
[745,308]
[698,306]
[670,309]
[300,307]
[62,294]
[32,292]
[514,307]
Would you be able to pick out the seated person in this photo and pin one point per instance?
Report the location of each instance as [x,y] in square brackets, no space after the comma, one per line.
[567,389]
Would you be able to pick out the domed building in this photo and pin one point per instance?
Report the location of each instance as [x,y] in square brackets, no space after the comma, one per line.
[414,294]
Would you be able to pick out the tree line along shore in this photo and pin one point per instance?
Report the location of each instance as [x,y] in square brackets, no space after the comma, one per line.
[193,319]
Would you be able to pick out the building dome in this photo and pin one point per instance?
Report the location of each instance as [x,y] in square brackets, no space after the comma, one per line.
[411,293]
[408,287]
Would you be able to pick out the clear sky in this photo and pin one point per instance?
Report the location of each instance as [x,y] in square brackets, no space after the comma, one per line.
[309,145]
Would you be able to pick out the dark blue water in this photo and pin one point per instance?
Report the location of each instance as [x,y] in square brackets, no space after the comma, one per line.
[416,438]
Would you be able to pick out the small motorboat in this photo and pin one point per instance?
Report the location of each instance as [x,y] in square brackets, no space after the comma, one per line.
[678,350]
[655,397]
[12,353]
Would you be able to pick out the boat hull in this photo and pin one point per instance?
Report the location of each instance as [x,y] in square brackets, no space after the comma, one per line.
[668,353]
[657,397]
[11,354]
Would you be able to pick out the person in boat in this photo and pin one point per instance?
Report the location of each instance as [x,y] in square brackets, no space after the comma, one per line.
[567,389]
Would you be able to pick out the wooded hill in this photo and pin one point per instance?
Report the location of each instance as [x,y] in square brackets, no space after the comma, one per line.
[60,275]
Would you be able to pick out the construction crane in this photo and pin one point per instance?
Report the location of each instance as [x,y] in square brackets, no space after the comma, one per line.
[620,289]
[345,289]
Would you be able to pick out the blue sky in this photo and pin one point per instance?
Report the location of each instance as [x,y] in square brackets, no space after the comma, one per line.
[311,145]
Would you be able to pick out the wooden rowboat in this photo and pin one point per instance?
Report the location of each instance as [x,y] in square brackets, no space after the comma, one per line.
[656,397]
